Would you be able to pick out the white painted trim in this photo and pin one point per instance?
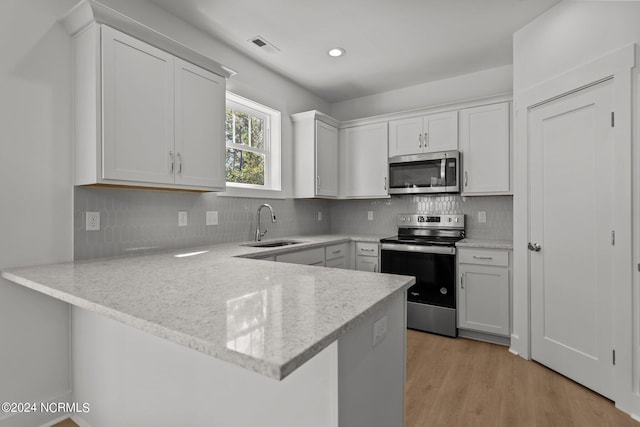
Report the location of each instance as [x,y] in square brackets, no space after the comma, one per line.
[617,64]
[80,421]
[88,11]
[439,108]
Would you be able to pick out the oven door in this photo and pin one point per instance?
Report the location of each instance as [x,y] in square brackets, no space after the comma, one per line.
[434,272]
[424,173]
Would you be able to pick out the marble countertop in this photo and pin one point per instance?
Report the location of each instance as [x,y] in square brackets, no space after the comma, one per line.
[265,316]
[485,244]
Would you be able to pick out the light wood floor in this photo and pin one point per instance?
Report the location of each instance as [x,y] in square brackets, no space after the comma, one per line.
[461,382]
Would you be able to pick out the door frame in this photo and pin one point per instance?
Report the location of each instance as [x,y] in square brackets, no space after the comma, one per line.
[617,65]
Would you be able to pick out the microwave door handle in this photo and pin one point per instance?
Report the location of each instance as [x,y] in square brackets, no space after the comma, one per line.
[443,171]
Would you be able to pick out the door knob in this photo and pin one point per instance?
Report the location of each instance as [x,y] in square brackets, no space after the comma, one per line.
[535,247]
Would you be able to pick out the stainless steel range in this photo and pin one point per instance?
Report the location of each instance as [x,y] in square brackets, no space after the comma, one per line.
[425,248]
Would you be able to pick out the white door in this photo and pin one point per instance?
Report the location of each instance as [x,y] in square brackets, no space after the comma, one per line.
[571,218]
[200,145]
[326,160]
[440,132]
[405,136]
[138,116]
[366,160]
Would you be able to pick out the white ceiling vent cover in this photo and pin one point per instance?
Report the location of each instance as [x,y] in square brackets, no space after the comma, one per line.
[265,46]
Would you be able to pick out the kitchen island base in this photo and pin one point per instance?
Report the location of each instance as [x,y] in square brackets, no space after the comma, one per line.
[129,377]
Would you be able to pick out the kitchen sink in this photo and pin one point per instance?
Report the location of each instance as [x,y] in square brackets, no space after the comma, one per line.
[273,243]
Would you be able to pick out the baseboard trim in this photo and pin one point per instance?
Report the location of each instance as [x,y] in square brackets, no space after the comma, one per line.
[481,336]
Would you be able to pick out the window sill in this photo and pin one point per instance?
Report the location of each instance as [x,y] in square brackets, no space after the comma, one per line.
[252,193]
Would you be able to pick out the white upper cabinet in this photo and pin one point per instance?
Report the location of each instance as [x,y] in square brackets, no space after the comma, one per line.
[363,161]
[425,134]
[144,116]
[315,151]
[200,120]
[138,102]
[485,144]
[326,160]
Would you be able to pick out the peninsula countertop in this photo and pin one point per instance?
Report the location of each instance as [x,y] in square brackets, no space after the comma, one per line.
[208,298]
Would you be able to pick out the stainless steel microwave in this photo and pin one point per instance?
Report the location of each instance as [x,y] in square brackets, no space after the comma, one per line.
[425,173]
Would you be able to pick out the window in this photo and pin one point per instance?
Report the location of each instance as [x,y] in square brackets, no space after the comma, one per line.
[252,135]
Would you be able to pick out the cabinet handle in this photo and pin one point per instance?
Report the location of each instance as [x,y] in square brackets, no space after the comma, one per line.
[179,163]
[367,250]
[426,139]
[318,182]
[337,252]
[419,140]
[385,183]
[461,282]
[482,257]
[172,159]
[466,178]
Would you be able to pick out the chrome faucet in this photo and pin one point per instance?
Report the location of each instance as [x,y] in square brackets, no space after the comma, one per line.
[259,234]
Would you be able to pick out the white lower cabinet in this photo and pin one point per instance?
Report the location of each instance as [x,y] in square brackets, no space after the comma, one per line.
[367,256]
[337,256]
[484,291]
[308,257]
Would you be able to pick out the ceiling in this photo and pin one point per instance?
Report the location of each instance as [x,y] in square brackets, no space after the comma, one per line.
[390,44]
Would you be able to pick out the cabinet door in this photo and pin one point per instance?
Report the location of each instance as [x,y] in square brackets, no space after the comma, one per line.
[326,160]
[441,132]
[405,136]
[367,263]
[138,116]
[483,299]
[199,138]
[486,149]
[366,163]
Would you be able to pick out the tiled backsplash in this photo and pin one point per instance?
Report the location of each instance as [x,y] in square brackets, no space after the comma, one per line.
[351,216]
[142,221]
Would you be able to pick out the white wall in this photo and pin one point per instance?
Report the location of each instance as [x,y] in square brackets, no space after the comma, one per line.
[253,80]
[480,84]
[566,37]
[35,198]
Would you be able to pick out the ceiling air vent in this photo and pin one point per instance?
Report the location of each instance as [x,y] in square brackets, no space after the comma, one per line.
[264,45]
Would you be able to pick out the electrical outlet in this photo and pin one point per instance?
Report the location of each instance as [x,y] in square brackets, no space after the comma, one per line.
[212,218]
[379,330]
[92,221]
[482,217]
[319,215]
[183,218]
[370,215]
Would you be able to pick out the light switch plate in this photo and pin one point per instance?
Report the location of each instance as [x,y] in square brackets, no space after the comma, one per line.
[319,215]
[482,217]
[212,218]
[183,218]
[92,221]
[370,215]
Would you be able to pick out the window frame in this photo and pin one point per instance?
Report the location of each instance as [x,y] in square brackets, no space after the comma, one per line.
[271,151]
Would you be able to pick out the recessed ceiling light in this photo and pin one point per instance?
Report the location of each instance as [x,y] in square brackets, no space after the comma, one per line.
[336,52]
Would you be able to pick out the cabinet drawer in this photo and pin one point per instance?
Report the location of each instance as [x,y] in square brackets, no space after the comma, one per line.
[335,251]
[366,249]
[336,263]
[483,257]
[309,257]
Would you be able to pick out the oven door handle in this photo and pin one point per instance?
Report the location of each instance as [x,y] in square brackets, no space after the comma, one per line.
[401,247]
